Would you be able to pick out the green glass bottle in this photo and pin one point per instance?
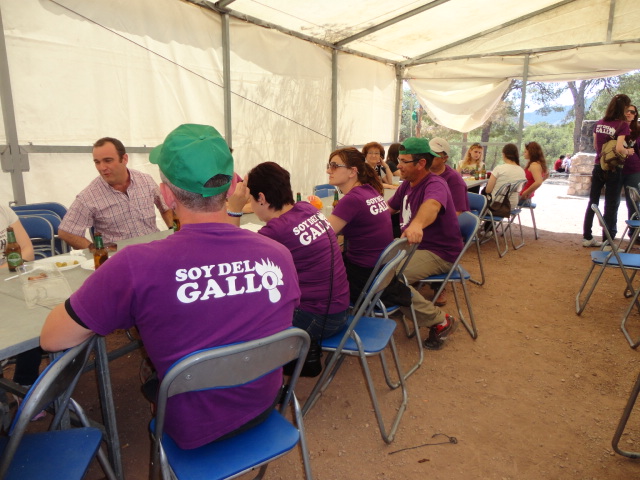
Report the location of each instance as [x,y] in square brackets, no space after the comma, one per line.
[298,197]
[336,198]
[13,252]
[100,255]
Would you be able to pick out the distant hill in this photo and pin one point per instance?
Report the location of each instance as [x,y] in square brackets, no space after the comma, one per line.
[554,118]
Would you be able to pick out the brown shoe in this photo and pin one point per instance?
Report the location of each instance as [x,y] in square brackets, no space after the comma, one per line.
[441,301]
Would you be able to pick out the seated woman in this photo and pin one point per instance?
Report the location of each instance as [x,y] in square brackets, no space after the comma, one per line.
[314,247]
[472,160]
[508,172]
[536,170]
[374,155]
[362,215]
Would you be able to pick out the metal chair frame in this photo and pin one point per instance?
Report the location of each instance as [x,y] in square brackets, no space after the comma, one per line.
[53,207]
[363,337]
[626,413]
[478,205]
[528,204]
[497,221]
[55,384]
[634,221]
[41,233]
[224,367]
[469,225]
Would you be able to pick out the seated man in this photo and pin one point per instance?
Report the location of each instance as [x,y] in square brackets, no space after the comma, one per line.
[558,166]
[209,284]
[428,218]
[454,180]
[118,204]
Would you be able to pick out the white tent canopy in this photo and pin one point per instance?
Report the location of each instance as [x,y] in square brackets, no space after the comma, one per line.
[283,80]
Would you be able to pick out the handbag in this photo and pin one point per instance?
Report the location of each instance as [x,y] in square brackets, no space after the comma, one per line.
[503,208]
[610,158]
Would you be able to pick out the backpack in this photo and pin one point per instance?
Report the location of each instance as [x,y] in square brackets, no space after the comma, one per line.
[610,159]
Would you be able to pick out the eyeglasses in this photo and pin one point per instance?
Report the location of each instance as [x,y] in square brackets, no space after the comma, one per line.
[632,111]
[376,154]
[334,165]
[407,161]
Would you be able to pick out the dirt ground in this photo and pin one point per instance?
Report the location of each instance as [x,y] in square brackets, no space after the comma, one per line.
[538,395]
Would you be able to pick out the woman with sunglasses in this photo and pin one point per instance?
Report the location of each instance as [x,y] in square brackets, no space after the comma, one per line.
[612,126]
[536,170]
[631,169]
[362,215]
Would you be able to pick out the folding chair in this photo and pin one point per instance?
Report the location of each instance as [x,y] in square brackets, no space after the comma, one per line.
[528,204]
[497,223]
[224,367]
[324,190]
[383,310]
[469,224]
[366,336]
[42,245]
[613,259]
[41,233]
[634,221]
[55,453]
[53,207]
[633,397]
[478,206]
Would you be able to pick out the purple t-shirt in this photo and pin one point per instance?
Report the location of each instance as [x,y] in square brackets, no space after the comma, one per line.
[632,163]
[443,236]
[368,230]
[204,286]
[457,187]
[605,130]
[310,238]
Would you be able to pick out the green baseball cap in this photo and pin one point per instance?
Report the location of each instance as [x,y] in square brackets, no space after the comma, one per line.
[192,154]
[415,145]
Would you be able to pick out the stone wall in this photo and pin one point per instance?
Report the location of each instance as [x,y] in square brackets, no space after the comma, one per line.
[580,174]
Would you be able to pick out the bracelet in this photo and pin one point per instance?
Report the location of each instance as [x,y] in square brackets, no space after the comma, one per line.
[234,214]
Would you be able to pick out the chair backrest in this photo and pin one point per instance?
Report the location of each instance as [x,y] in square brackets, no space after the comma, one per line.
[388,254]
[477,203]
[232,366]
[468,226]
[41,229]
[23,212]
[56,382]
[324,190]
[634,196]
[54,207]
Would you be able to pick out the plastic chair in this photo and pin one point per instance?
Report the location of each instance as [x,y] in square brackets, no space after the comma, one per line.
[634,221]
[53,207]
[469,224]
[613,259]
[366,336]
[626,413]
[478,206]
[383,310]
[224,367]
[324,190]
[55,453]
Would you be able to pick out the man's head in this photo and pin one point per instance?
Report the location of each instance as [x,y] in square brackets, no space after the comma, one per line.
[415,159]
[441,147]
[110,159]
[196,165]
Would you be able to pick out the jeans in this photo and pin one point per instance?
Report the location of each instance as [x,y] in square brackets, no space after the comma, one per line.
[317,324]
[612,183]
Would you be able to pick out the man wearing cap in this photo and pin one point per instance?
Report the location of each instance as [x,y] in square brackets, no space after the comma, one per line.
[119,203]
[454,180]
[209,284]
[428,218]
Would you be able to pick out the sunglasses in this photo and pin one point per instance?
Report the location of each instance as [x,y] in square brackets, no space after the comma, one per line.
[334,165]
[632,111]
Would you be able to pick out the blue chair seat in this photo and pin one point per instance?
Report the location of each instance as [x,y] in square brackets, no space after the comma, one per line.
[374,333]
[629,260]
[454,276]
[633,223]
[226,458]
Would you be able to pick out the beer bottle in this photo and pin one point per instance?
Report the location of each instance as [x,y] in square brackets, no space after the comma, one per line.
[336,198]
[483,173]
[13,252]
[476,174]
[100,255]
[298,197]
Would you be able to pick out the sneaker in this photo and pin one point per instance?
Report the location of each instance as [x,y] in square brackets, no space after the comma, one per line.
[439,333]
[591,243]
[607,248]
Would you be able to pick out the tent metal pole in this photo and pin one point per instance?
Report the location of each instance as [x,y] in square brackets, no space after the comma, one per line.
[612,11]
[525,76]
[398,109]
[11,159]
[226,79]
[334,99]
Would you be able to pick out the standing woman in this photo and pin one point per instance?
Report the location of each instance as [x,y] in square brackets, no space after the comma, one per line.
[362,215]
[612,126]
[536,170]
[631,169]
[314,247]
[374,154]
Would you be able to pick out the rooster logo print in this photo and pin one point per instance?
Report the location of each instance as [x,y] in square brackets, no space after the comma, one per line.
[271,278]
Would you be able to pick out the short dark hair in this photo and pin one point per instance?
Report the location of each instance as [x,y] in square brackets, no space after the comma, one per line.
[273,181]
[116,143]
[371,145]
[419,156]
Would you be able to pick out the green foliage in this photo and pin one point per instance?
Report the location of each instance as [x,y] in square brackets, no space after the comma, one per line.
[555,140]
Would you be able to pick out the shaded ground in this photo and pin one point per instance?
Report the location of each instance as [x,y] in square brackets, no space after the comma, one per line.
[537,396]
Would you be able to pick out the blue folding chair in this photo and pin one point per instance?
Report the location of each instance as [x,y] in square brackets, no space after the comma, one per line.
[528,204]
[457,274]
[226,367]
[53,207]
[41,233]
[366,336]
[634,221]
[478,206]
[56,453]
[498,226]
[60,246]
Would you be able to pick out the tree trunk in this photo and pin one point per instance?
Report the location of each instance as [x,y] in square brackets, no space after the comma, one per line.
[577,91]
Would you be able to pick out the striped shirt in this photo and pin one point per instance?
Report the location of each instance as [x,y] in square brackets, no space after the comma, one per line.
[115,214]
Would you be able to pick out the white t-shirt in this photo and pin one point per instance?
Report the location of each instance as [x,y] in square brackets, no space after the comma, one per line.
[507,173]
[7,217]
